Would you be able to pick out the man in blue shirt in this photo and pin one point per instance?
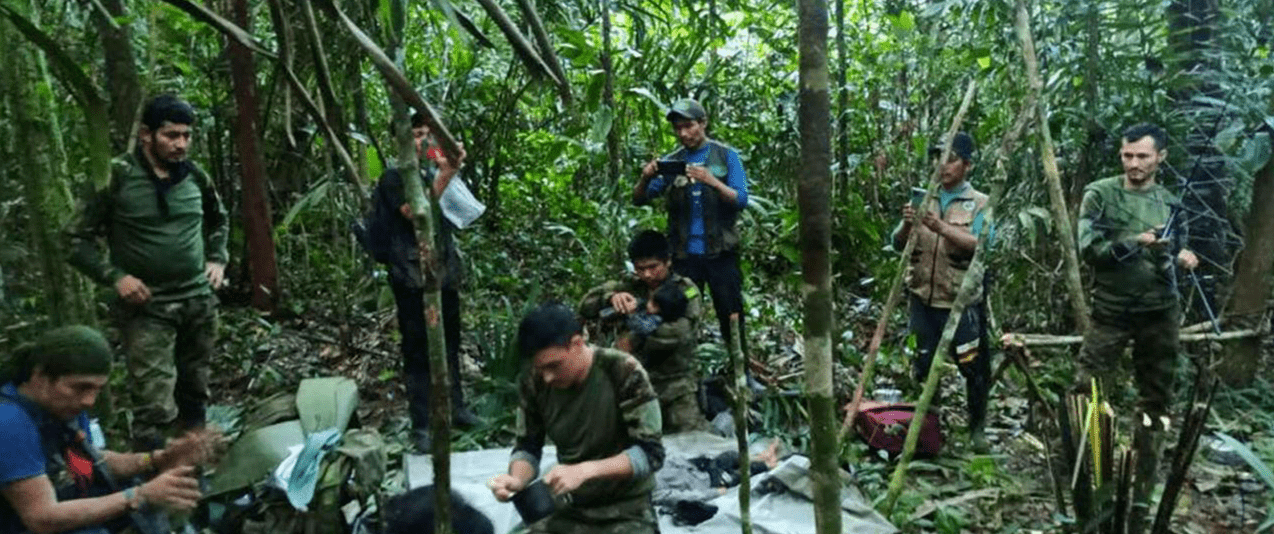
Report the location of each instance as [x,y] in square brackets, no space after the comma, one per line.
[48,478]
[704,202]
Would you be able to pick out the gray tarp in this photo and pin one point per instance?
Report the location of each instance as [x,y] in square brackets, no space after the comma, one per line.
[785,512]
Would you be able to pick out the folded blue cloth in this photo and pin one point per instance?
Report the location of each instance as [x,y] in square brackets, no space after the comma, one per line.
[305,473]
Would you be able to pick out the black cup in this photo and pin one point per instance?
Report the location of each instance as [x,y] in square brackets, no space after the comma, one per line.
[535,502]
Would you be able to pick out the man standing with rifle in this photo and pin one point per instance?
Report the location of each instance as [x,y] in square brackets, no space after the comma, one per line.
[53,477]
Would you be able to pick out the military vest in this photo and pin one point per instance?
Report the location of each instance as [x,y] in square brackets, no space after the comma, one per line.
[719,217]
[937,266]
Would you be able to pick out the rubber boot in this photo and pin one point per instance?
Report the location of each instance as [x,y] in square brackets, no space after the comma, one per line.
[1146,441]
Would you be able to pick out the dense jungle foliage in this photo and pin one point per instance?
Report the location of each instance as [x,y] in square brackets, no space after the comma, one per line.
[555,168]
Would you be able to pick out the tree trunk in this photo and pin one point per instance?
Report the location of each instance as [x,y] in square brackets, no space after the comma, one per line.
[842,105]
[814,200]
[608,98]
[426,217]
[1057,199]
[1204,193]
[44,188]
[256,205]
[1252,274]
[122,80]
[545,46]
[1090,157]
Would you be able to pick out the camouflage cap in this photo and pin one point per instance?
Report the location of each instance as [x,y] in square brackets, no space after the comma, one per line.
[686,108]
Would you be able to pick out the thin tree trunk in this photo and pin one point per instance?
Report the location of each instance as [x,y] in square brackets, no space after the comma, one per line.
[545,45]
[331,105]
[608,97]
[1089,157]
[1057,199]
[842,105]
[814,200]
[742,399]
[122,80]
[256,205]
[521,46]
[1252,273]
[425,216]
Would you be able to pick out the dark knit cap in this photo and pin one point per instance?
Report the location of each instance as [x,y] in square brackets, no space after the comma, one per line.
[70,350]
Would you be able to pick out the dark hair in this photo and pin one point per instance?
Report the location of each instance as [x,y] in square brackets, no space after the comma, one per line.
[167,107]
[413,513]
[671,300]
[649,244]
[551,324]
[67,350]
[418,120]
[1135,132]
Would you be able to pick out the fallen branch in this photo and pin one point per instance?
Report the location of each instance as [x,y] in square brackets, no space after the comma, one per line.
[1045,340]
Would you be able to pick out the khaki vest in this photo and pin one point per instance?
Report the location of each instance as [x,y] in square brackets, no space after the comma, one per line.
[937,268]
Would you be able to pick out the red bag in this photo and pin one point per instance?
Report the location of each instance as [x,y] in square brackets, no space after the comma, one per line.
[884,426]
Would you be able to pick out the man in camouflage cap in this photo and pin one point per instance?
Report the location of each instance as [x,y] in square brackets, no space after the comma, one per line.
[600,410]
[668,351]
[165,228]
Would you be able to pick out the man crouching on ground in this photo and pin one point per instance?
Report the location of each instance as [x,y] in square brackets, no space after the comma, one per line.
[598,407]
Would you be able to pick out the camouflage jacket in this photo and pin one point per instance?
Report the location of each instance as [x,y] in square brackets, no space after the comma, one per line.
[669,350]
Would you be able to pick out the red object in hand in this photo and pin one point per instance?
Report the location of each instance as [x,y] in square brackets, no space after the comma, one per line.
[433,153]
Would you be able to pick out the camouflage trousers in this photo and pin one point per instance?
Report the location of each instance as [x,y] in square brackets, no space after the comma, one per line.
[1154,354]
[679,402]
[168,346]
[633,516]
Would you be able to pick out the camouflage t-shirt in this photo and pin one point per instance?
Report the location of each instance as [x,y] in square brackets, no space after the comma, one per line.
[614,410]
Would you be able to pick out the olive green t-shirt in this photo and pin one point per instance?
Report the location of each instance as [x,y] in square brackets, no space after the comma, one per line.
[613,410]
[1127,276]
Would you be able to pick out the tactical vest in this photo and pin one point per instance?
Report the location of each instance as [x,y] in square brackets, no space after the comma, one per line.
[937,266]
[719,217]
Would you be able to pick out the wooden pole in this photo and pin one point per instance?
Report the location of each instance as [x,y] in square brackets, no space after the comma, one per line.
[1057,198]
[895,291]
[742,398]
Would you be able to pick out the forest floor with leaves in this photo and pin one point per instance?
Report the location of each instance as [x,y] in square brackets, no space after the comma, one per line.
[1008,490]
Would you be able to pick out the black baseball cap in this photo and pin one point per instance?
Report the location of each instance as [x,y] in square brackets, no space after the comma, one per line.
[961,145]
[686,109]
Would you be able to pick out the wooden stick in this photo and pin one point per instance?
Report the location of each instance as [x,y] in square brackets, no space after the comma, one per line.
[896,290]
[1046,340]
[742,397]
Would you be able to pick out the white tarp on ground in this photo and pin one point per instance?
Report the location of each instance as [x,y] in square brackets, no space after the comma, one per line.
[786,512]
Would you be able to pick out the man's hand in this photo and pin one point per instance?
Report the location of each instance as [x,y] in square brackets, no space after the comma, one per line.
[567,478]
[931,221]
[132,290]
[1187,260]
[216,273]
[1150,238]
[700,174]
[197,447]
[649,169]
[908,214]
[175,489]
[444,164]
[623,302]
[504,486]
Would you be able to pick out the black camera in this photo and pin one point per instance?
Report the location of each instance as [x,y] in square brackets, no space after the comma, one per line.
[671,168]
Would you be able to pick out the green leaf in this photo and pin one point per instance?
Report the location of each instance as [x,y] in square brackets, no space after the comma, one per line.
[1258,466]
[602,121]
[984,62]
[1255,152]
[313,197]
[905,22]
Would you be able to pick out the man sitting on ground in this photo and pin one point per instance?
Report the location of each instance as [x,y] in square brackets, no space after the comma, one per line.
[47,474]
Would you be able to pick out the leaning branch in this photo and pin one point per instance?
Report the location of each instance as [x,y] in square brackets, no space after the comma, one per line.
[395,78]
[1057,199]
[895,291]
[521,46]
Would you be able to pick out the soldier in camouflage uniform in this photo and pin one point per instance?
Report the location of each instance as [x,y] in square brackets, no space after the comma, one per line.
[166,231]
[598,407]
[668,352]
[1134,295]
